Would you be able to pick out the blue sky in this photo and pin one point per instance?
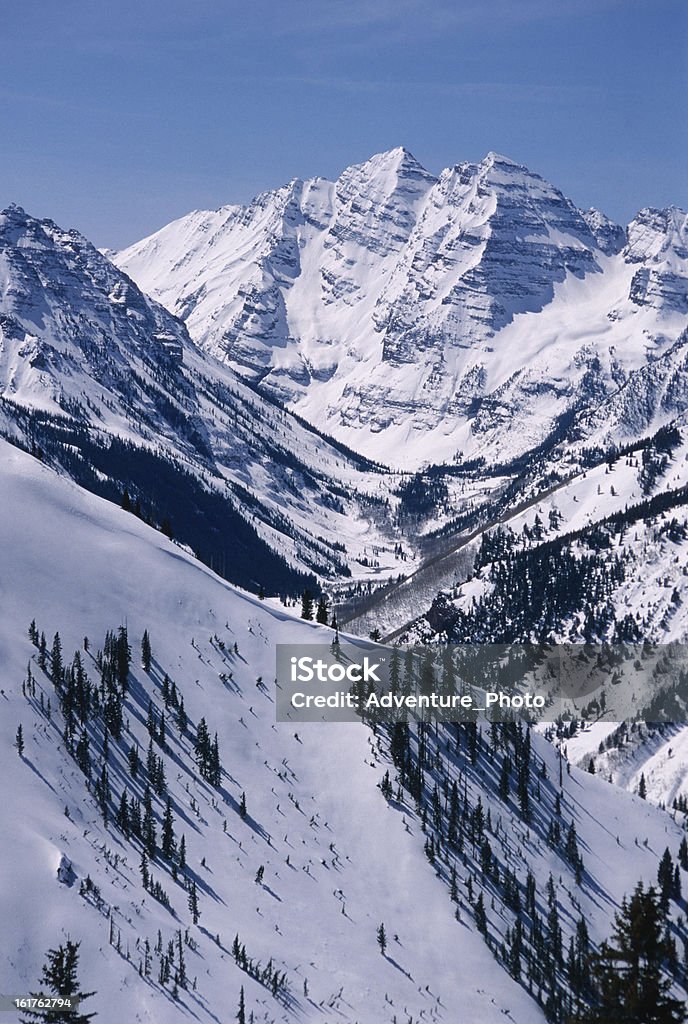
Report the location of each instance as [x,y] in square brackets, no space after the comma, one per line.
[117,116]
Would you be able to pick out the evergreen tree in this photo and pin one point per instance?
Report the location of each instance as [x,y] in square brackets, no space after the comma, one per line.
[148,825]
[307,605]
[242,806]
[193,902]
[42,651]
[214,766]
[480,916]
[241,1015]
[642,787]
[182,720]
[143,867]
[202,748]
[683,854]
[665,878]
[59,978]
[56,665]
[123,815]
[146,651]
[19,741]
[382,938]
[83,758]
[321,613]
[123,658]
[169,846]
[629,985]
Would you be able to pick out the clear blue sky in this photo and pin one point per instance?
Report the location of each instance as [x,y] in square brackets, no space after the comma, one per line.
[117,116]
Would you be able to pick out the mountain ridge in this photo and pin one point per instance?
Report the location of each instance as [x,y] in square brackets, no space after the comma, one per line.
[388,323]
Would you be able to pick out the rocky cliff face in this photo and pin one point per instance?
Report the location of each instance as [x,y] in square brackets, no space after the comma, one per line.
[658,245]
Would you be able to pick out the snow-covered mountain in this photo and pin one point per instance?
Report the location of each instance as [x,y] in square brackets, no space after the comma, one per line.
[108,385]
[426,320]
[320,857]
[533,359]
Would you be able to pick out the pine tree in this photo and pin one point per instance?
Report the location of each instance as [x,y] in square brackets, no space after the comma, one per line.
[241,1015]
[629,986]
[143,867]
[169,847]
[242,806]
[480,915]
[83,758]
[146,651]
[19,741]
[382,938]
[665,878]
[42,651]
[642,787]
[193,902]
[56,665]
[182,719]
[202,748]
[683,854]
[59,978]
[307,605]
[148,825]
[215,766]
[123,815]
[321,613]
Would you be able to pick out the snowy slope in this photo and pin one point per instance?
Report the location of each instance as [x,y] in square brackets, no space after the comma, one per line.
[75,563]
[337,858]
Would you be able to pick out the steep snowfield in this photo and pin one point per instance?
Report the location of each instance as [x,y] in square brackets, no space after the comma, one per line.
[81,566]
[416,318]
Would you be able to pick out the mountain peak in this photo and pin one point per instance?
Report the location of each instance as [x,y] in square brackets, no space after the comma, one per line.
[498,159]
[14,215]
[14,209]
[398,161]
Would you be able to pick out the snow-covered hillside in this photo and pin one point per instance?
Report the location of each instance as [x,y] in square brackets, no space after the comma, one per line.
[426,320]
[319,860]
[110,387]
